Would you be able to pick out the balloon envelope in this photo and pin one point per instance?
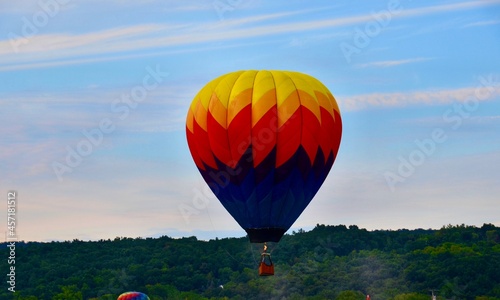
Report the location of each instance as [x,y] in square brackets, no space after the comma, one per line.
[264,141]
[133,296]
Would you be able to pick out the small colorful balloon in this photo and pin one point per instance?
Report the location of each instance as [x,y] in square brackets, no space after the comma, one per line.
[133,296]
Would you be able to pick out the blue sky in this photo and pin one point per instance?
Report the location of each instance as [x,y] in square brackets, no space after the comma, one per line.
[417,82]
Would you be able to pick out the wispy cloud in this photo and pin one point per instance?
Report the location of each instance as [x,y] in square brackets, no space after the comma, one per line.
[87,47]
[482,23]
[173,6]
[391,63]
[433,97]
[45,125]
[485,123]
[231,23]
[87,43]
[121,56]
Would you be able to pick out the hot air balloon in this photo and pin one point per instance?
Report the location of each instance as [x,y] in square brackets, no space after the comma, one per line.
[264,142]
[133,296]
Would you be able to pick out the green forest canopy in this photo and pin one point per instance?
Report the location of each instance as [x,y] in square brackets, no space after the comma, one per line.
[328,262]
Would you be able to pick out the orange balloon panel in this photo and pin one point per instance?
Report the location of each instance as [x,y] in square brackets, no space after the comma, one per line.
[264,141]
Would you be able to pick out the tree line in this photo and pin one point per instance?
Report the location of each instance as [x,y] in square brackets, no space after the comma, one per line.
[329,262]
